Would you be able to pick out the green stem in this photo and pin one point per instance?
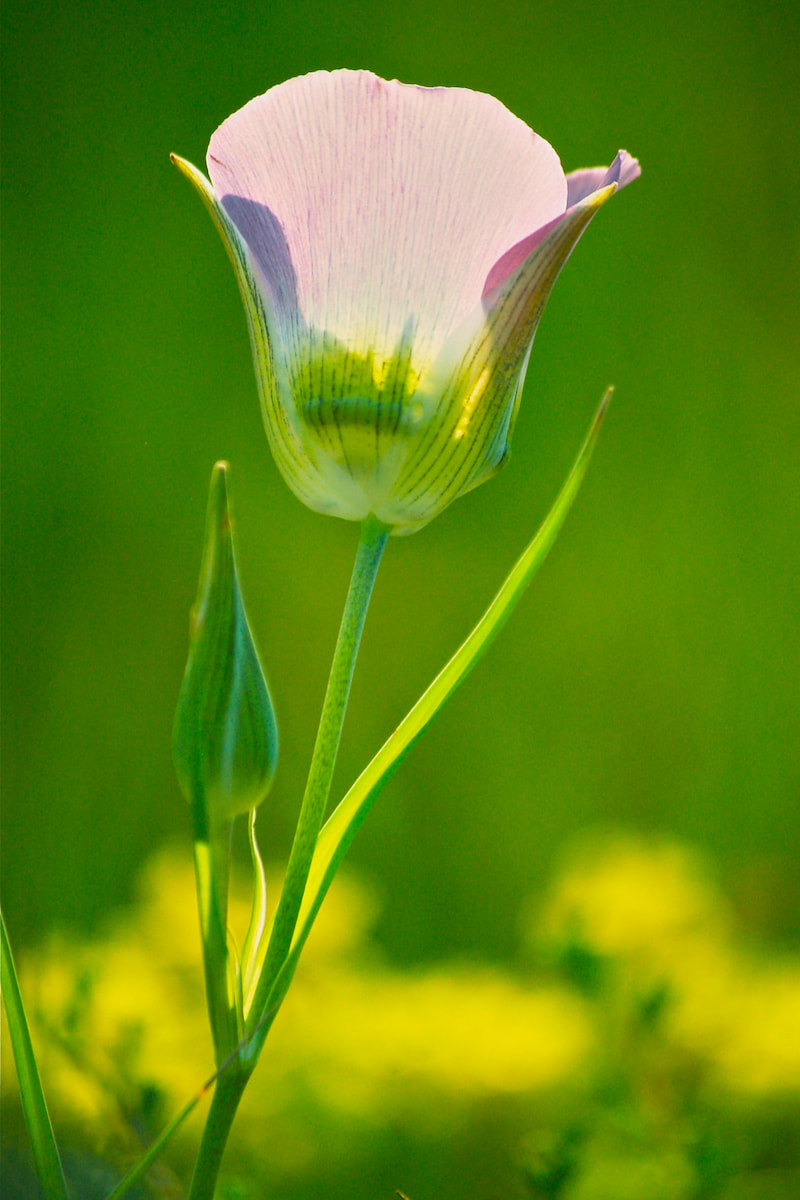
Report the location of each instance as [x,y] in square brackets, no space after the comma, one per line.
[211,855]
[231,1084]
[224,1103]
[340,829]
[368,557]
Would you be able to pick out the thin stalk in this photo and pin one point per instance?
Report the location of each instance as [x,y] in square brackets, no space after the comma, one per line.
[342,826]
[370,551]
[224,1103]
[153,1151]
[231,1084]
[211,855]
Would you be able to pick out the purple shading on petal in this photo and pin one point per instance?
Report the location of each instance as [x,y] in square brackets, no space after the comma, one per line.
[580,185]
[268,246]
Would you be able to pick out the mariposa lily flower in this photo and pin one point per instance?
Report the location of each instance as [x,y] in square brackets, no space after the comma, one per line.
[395,246]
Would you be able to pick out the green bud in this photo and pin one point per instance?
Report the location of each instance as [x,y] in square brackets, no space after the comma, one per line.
[225,739]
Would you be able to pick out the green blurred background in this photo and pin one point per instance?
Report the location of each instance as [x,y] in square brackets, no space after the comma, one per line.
[649,681]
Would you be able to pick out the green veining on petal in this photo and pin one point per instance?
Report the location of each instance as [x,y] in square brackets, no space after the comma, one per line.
[352,401]
[358,411]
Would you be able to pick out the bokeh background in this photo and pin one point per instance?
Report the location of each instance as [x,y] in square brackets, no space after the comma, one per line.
[647,687]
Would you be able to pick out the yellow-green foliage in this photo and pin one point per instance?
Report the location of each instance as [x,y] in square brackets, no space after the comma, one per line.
[642,1041]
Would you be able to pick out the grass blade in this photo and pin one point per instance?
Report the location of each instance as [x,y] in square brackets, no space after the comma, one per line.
[153,1151]
[34,1106]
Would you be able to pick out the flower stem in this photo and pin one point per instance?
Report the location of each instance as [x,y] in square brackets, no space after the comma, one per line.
[211,858]
[370,550]
[232,1082]
[224,1103]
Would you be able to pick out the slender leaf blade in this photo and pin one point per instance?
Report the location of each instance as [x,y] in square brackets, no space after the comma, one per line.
[337,834]
[34,1105]
[154,1150]
[341,827]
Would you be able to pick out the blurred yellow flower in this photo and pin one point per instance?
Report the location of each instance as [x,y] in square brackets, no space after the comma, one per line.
[358,1040]
[361,1047]
[652,910]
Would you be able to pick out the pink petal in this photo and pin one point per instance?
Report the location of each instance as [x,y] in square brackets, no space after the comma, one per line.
[623,170]
[580,184]
[478,379]
[375,209]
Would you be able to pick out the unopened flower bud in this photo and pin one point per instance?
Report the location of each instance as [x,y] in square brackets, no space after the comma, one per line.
[225,739]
